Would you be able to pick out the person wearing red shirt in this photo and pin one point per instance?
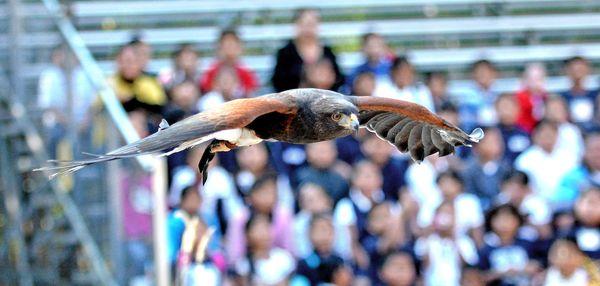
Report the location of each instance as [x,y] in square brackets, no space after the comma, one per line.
[229,49]
[532,96]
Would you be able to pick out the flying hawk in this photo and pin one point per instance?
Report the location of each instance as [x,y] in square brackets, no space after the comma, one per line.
[295,116]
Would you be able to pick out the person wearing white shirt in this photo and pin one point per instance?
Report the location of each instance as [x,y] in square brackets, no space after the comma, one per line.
[545,164]
[444,253]
[402,85]
[569,136]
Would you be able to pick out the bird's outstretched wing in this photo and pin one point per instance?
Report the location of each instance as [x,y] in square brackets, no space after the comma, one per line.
[411,127]
[184,134]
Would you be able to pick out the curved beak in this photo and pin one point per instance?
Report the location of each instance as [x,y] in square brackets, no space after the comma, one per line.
[350,122]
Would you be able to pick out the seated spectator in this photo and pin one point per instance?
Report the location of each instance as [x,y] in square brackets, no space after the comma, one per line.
[219,186]
[486,169]
[437,83]
[253,163]
[586,231]
[144,52]
[305,49]
[393,169]
[537,213]
[421,180]
[531,97]
[264,263]
[581,101]
[569,136]
[566,265]
[506,258]
[351,213]
[319,266]
[224,88]
[318,75]
[476,104]
[184,98]
[443,253]
[313,200]
[545,164]
[403,85]
[385,233]
[262,200]
[377,61]
[53,98]
[185,219]
[136,90]
[587,174]
[363,84]
[468,216]
[229,49]
[516,139]
[398,269]
[321,170]
[349,147]
[185,68]
[472,276]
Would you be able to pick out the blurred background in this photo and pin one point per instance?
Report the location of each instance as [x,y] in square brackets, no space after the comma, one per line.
[520,208]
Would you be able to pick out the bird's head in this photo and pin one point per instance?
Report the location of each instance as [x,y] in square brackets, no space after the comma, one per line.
[336,116]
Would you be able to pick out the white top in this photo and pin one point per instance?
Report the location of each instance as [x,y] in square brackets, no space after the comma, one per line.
[555,278]
[444,256]
[417,93]
[570,140]
[270,271]
[53,91]
[210,100]
[467,212]
[545,170]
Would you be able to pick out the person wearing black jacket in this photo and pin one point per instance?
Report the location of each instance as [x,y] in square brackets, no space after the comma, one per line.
[304,49]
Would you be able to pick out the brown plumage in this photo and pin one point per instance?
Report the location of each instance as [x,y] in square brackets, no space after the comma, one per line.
[295,116]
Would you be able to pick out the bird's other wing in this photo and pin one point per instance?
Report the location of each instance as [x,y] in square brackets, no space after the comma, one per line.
[411,127]
[185,133]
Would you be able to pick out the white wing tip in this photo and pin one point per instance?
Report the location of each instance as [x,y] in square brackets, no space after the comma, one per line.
[476,135]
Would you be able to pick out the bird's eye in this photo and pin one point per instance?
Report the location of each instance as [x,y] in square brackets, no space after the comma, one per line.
[336,116]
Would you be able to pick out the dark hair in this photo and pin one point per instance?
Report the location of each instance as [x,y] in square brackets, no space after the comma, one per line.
[516,176]
[502,208]
[505,95]
[261,181]
[366,37]
[543,123]
[433,74]
[482,62]
[300,12]
[320,216]
[229,32]
[575,59]
[182,48]
[401,251]
[448,107]
[400,61]
[450,174]
[187,191]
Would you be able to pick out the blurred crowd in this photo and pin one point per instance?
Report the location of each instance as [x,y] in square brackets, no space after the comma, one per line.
[519,208]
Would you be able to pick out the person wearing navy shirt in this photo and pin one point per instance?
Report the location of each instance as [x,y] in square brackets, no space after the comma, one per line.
[393,169]
[506,258]
[319,267]
[377,60]
[582,102]
[516,139]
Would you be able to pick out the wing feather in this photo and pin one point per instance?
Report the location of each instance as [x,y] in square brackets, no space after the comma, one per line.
[411,127]
[188,132]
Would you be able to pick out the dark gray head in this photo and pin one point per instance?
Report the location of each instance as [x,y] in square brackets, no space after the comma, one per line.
[333,115]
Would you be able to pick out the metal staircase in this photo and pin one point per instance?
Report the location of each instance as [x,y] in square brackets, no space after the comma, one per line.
[44,237]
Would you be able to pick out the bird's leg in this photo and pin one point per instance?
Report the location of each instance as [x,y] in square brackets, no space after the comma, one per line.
[209,153]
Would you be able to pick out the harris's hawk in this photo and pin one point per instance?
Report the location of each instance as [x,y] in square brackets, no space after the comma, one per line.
[295,116]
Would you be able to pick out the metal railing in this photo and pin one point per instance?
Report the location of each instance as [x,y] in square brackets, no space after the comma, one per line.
[118,117]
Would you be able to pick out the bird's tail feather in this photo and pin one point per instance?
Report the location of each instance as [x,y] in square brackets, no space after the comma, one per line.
[68,167]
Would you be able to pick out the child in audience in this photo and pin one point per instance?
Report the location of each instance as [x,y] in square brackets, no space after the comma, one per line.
[262,200]
[398,269]
[264,263]
[566,265]
[312,199]
[443,252]
[506,258]
[319,266]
